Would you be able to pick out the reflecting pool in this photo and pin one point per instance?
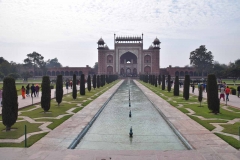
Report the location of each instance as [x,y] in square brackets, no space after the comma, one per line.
[111,129]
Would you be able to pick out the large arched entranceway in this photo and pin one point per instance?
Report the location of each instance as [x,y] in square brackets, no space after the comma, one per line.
[128,64]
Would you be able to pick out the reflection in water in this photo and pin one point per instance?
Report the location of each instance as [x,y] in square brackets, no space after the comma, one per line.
[111,129]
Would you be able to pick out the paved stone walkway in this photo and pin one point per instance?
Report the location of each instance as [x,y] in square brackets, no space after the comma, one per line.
[206,145]
[234,101]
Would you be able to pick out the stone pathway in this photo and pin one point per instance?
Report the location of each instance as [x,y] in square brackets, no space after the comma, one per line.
[207,146]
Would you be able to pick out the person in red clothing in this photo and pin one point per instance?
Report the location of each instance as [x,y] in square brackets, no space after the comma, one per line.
[227,92]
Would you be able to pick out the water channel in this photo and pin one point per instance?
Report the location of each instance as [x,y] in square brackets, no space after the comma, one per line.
[111,129]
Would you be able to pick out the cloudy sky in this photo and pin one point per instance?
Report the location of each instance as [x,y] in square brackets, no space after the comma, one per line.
[70,29]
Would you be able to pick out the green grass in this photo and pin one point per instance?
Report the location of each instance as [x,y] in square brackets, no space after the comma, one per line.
[77,109]
[55,122]
[30,141]
[230,140]
[203,111]
[20,127]
[206,123]
[231,128]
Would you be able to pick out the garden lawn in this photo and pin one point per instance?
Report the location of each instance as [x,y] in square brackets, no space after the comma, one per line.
[36,113]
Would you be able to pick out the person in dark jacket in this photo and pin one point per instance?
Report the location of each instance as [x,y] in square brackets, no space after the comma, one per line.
[33,90]
[37,90]
[27,90]
[238,89]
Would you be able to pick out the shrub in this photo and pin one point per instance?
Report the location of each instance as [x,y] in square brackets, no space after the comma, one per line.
[159,79]
[200,95]
[9,103]
[74,91]
[163,82]
[82,85]
[156,81]
[234,91]
[51,87]
[98,81]
[212,94]
[169,83]
[89,83]
[59,89]
[176,86]
[46,94]
[186,87]
[94,81]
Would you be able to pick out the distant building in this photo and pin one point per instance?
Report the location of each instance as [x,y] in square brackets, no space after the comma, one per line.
[128,58]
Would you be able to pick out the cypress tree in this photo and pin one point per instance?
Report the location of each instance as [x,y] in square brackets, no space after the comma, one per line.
[200,95]
[212,94]
[186,87]
[82,85]
[9,103]
[59,89]
[156,81]
[169,83]
[107,79]
[94,81]
[46,94]
[159,79]
[104,80]
[98,81]
[176,86]
[89,83]
[163,82]
[153,80]
[74,91]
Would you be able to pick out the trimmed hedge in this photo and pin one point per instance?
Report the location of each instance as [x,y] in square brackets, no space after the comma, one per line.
[176,86]
[186,87]
[9,103]
[59,89]
[163,82]
[200,97]
[74,91]
[89,83]
[169,83]
[82,85]
[212,94]
[94,81]
[46,94]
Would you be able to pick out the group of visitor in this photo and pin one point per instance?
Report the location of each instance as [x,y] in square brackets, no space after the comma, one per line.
[224,91]
[34,91]
[203,86]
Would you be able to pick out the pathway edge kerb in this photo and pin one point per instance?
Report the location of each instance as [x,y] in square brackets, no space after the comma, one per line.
[180,136]
[88,126]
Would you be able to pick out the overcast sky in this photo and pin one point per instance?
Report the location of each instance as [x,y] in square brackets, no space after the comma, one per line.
[70,29]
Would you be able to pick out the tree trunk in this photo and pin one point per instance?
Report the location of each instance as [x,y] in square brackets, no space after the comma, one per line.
[8,128]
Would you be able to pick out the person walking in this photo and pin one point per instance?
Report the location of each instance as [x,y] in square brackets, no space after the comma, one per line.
[27,90]
[222,91]
[23,92]
[193,87]
[238,89]
[71,84]
[37,90]
[1,92]
[33,91]
[67,85]
[227,91]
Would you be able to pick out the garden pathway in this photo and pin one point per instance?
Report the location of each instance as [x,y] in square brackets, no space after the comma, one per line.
[234,101]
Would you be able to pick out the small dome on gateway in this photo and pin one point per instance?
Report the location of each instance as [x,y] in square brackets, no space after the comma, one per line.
[150,47]
[100,41]
[156,41]
[106,47]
